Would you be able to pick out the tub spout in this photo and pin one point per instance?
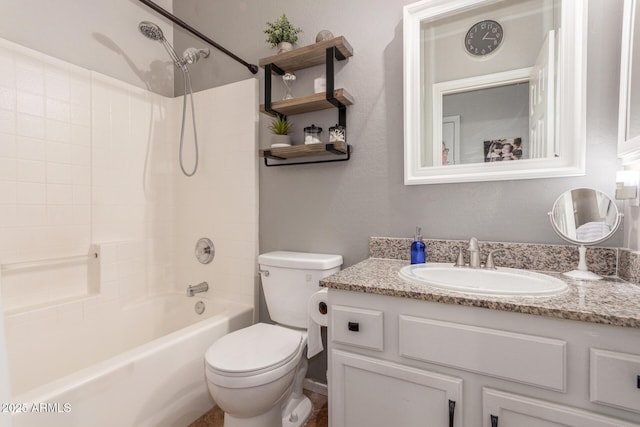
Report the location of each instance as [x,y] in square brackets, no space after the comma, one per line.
[196,289]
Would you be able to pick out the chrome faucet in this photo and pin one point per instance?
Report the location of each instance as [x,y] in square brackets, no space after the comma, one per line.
[196,289]
[474,253]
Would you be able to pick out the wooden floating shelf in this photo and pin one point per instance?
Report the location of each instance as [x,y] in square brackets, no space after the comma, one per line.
[308,56]
[309,103]
[306,150]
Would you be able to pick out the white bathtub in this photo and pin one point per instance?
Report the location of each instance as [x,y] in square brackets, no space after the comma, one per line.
[142,365]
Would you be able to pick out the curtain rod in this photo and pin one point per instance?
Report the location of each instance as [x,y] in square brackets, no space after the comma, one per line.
[253,68]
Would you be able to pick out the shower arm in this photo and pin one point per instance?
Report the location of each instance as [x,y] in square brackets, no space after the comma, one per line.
[253,68]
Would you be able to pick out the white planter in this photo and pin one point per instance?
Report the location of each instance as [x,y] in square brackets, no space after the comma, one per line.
[280,140]
[284,47]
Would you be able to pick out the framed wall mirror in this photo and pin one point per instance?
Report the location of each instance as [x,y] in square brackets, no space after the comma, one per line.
[629,112]
[494,90]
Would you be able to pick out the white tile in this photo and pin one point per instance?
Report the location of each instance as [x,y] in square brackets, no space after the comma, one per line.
[80,115]
[30,126]
[8,214]
[7,98]
[31,215]
[31,171]
[8,146]
[58,152]
[30,149]
[57,85]
[81,195]
[58,110]
[80,92]
[7,69]
[29,78]
[81,135]
[60,215]
[31,193]
[8,168]
[8,192]
[58,173]
[58,131]
[59,194]
[80,155]
[30,103]
[81,175]
[81,215]
[7,121]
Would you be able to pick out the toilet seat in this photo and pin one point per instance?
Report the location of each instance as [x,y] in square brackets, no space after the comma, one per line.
[254,356]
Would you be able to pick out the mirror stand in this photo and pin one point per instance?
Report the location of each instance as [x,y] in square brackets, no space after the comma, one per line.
[584,216]
[582,272]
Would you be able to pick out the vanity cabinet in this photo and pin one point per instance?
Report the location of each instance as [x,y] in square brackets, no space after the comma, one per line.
[368,391]
[400,361]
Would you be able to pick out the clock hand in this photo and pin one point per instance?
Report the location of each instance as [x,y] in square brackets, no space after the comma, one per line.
[488,38]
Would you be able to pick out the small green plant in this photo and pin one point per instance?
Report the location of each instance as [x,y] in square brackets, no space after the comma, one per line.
[280,125]
[281,31]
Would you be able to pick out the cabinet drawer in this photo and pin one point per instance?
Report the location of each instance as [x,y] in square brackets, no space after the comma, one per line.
[615,379]
[357,326]
[516,357]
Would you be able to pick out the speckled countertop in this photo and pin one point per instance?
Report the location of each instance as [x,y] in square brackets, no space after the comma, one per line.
[609,301]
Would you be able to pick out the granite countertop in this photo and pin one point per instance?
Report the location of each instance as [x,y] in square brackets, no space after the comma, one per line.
[610,301]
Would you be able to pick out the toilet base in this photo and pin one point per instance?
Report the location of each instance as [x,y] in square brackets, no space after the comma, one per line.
[299,414]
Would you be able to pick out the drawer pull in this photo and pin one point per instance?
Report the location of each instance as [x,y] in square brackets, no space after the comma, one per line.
[452,408]
[638,381]
[353,326]
[322,308]
[494,421]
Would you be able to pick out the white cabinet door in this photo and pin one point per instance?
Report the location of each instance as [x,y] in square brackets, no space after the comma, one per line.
[500,409]
[376,393]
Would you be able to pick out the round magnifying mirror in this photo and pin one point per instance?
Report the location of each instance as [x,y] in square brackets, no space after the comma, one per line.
[584,216]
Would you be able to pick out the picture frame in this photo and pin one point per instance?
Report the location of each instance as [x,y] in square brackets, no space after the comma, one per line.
[504,149]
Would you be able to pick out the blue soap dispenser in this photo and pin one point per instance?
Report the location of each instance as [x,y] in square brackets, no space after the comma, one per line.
[418,249]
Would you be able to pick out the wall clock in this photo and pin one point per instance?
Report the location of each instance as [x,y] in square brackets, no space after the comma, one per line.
[483,38]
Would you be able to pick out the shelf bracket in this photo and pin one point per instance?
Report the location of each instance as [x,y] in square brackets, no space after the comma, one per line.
[269,69]
[330,148]
[332,53]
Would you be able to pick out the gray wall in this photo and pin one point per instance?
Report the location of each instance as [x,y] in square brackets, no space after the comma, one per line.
[335,207]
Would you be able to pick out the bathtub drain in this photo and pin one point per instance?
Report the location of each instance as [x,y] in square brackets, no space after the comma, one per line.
[200,307]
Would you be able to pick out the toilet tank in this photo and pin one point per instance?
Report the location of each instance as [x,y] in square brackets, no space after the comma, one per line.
[291,280]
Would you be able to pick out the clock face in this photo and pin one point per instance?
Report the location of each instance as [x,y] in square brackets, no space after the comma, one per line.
[483,38]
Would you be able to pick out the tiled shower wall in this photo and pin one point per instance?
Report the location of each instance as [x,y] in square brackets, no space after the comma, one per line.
[88,160]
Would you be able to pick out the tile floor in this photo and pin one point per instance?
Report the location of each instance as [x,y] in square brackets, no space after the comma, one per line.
[319,417]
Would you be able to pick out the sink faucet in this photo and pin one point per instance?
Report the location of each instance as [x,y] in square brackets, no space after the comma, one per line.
[474,253]
[196,289]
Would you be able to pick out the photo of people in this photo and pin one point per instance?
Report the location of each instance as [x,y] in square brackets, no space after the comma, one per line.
[499,150]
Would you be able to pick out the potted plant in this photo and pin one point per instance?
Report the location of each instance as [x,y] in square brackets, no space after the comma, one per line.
[280,127]
[282,34]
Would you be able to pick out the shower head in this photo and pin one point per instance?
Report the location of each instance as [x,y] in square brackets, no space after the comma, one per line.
[151,31]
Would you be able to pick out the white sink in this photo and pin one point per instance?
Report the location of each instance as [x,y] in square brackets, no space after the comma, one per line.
[500,282]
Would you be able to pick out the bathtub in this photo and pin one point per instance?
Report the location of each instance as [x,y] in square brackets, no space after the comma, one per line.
[79,365]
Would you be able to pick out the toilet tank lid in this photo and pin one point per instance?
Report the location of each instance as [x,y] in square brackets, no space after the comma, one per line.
[302,260]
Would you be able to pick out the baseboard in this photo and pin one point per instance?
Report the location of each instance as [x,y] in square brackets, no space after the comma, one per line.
[316,387]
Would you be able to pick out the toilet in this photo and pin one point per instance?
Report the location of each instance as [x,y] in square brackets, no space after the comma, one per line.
[256,374]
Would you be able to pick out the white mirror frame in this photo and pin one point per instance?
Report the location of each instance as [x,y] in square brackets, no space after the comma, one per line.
[571,102]
[628,148]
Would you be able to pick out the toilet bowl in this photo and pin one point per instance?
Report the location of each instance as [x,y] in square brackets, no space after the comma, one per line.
[256,374]
[250,373]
